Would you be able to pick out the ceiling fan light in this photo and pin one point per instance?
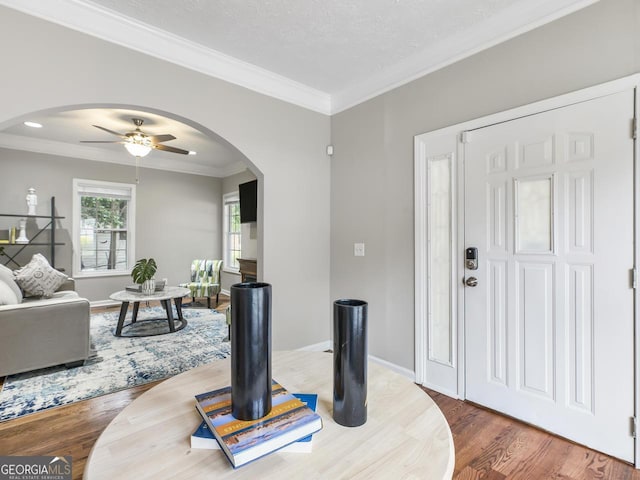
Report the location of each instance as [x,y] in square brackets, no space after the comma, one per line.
[138,146]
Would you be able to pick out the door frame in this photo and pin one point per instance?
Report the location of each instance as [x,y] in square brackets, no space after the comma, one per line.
[450,379]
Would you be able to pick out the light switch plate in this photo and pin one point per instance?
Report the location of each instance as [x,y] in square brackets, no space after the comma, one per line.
[358,249]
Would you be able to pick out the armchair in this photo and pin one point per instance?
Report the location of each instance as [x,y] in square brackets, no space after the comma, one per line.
[205,280]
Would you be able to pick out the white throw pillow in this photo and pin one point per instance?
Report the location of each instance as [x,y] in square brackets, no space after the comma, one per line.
[7,296]
[6,275]
[38,278]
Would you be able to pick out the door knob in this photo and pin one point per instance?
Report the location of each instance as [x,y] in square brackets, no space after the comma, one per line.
[471,282]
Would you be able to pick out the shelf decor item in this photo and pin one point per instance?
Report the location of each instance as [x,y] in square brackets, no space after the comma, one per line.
[250,350]
[143,273]
[350,362]
[22,238]
[32,201]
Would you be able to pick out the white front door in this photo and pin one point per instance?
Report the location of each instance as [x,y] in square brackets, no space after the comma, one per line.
[549,326]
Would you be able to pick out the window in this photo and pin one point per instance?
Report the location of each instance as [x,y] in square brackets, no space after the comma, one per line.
[534,214]
[232,235]
[103,228]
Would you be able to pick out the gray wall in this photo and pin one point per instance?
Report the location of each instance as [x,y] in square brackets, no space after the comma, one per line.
[49,66]
[177,215]
[372,168]
[249,231]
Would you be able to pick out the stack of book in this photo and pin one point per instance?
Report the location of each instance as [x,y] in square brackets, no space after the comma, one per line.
[288,427]
[160,284]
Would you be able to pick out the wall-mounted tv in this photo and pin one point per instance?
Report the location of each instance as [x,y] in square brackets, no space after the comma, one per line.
[248,201]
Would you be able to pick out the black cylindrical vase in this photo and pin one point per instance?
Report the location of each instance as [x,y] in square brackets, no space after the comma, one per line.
[250,350]
[350,362]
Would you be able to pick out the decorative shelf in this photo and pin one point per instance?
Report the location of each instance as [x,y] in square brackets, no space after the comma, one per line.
[51,225]
[41,244]
[30,216]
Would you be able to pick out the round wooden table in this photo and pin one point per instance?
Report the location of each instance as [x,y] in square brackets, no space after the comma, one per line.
[405,436]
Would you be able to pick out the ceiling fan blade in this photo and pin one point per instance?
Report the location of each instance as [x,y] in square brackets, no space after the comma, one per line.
[100,141]
[161,138]
[171,149]
[109,131]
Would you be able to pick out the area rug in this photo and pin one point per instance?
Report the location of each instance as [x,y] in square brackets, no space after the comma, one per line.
[117,363]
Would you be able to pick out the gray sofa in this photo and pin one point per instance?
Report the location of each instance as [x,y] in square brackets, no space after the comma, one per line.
[42,332]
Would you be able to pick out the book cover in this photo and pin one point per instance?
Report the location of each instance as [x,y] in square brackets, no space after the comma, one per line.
[243,441]
[203,438]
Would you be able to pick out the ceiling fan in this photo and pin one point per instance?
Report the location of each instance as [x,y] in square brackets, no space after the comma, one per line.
[139,143]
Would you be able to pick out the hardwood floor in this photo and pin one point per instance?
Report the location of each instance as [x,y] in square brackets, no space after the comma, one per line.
[495,447]
[488,445]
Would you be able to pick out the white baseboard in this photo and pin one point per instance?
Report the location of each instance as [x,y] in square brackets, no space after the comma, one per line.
[225,292]
[318,347]
[328,345]
[104,303]
[405,372]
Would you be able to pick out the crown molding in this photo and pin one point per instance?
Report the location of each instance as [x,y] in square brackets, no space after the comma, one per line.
[108,25]
[493,31]
[62,149]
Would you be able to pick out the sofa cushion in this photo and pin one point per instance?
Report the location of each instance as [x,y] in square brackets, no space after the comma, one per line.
[7,295]
[38,278]
[7,276]
[59,295]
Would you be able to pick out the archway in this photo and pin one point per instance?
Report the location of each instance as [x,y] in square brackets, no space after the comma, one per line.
[177,234]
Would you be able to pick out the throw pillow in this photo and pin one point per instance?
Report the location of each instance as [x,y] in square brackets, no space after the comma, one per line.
[6,275]
[38,278]
[7,296]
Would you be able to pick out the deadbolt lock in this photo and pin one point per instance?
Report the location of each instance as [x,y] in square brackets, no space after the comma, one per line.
[471,258]
[471,282]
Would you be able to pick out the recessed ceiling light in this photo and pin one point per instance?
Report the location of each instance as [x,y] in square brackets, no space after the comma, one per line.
[33,124]
[191,152]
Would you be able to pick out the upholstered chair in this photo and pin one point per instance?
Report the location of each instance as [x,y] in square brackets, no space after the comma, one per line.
[205,280]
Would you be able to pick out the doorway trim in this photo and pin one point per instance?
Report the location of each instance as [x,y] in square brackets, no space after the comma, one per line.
[452,381]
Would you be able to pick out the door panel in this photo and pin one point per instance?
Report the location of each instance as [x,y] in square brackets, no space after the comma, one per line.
[549,326]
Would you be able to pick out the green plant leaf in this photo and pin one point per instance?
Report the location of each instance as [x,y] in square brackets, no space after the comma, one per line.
[143,270]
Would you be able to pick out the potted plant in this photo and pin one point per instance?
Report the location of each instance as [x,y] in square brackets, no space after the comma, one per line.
[143,273]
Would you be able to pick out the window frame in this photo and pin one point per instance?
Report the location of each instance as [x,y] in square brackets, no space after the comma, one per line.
[82,187]
[228,199]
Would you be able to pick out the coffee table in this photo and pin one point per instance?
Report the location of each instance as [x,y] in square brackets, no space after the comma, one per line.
[405,436]
[163,296]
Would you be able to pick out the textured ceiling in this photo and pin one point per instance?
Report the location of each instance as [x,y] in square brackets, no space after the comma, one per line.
[326,55]
[326,44]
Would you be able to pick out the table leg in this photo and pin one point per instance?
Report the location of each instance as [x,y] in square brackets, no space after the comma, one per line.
[178,302]
[136,306]
[167,306]
[123,313]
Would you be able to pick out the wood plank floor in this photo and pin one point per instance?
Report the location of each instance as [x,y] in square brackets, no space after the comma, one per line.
[488,445]
[492,446]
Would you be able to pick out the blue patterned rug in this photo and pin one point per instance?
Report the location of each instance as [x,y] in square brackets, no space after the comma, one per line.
[118,362]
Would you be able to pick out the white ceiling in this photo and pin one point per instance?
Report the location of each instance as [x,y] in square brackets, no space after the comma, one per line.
[325,55]
[63,131]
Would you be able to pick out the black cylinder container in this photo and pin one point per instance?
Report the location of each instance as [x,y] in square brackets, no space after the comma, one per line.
[350,362]
[250,350]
